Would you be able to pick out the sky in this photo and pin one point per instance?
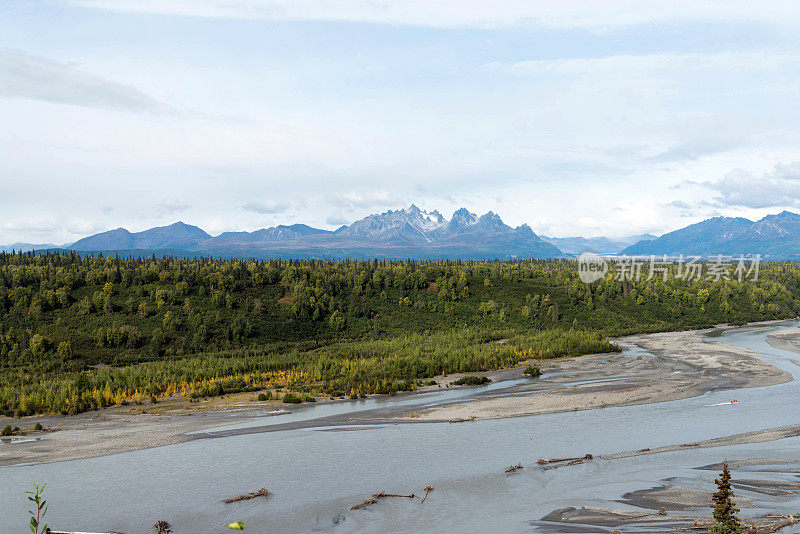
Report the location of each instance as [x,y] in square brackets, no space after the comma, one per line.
[577,118]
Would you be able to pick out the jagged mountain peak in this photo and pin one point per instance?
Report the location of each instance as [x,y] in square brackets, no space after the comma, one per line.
[409,225]
[491,217]
[784,216]
[463,217]
[524,229]
[404,233]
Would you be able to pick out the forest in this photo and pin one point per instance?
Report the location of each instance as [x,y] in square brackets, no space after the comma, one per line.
[79,332]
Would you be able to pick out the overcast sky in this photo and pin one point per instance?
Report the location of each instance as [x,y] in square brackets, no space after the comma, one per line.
[574,117]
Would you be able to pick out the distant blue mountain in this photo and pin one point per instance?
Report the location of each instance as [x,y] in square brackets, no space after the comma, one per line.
[176,236]
[598,245]
[26,247]
[774,237]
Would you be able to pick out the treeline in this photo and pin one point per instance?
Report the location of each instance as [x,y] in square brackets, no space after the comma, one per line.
[354,368]
[78,333]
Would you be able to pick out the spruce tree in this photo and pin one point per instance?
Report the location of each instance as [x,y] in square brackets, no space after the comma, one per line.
[725,520]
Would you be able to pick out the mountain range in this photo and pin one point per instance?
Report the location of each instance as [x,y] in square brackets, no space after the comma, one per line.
[417,234]
[773,237]
[408,233]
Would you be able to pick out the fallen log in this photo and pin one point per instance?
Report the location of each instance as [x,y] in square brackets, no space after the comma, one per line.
[512,468]
[462,419]
[364,504]
[427,489]
[766,523]
[579,459]
[785,521]
[263,492]
[162,527]
[381,495]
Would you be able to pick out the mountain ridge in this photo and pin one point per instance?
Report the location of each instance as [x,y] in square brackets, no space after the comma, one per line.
[406,233]
[412,233]
[775,236]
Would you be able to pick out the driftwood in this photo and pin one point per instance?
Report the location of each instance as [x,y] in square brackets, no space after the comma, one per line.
[774,523]
[784,521]
[512,468]
[364,504]
[380,495]
[51,531]
[698,525]
[462,419]
[565,461]
[427,489]
[162,527]
[263,492]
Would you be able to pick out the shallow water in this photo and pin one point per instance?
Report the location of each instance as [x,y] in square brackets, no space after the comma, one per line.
[315,476]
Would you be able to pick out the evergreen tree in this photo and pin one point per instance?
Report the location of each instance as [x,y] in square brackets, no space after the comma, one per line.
[725,520]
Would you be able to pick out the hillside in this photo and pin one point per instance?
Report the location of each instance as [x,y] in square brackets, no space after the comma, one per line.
[81,332]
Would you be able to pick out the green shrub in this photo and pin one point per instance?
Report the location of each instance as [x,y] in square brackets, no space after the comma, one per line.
[472,380]
[292,399]
[37,426]
[6,431]
[533,371]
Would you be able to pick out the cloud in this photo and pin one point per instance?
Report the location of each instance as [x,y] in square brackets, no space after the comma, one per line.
[741,188]
[696,149]
[645,64]
[377,199]
[83,227]
[31,226]
[466,13]
[337,220]
[266,208]
[680,204]
[168,206]
[694,209]
[37,78]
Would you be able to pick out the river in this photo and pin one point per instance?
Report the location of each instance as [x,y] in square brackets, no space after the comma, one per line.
[316,475]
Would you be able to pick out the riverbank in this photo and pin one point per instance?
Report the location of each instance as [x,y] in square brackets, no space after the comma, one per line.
[654,368]
[786,340]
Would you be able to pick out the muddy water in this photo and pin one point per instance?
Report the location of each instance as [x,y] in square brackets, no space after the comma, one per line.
[316,475]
